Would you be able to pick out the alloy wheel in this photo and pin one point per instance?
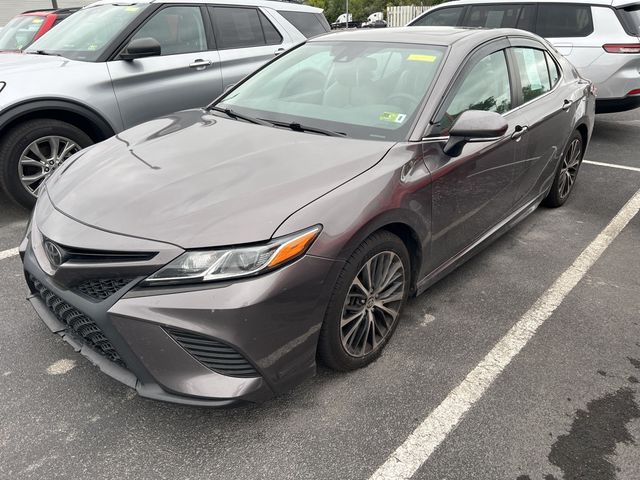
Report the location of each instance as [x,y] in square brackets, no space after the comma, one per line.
[569,170]
[41,158]
[373,304]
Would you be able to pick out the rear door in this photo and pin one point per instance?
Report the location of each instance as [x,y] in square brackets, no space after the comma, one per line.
[570,28]
[185,75]
[502,15]
[548,101]
[246,40]
[441,17]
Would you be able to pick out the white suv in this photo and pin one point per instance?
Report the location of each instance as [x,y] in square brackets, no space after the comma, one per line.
[600,37]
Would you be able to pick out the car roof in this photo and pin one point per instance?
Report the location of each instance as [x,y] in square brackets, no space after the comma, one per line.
[440,36]
[254,3]
[607,3]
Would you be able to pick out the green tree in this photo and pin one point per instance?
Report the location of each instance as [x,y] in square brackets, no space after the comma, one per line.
[361,9]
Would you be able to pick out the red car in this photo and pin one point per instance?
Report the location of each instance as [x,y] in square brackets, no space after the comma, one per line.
[27,27]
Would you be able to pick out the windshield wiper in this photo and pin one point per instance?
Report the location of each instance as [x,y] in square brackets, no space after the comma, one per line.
[43,52]
[297,127]
[238,116]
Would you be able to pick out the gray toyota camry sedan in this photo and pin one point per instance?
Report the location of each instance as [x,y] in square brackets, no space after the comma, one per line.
[212,256]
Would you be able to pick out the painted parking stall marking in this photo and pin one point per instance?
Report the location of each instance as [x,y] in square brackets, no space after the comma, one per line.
[612,165]
[9,253]
[424,440]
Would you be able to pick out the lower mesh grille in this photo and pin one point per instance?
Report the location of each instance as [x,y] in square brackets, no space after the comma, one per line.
[216,356]
[78,322]
[103,288]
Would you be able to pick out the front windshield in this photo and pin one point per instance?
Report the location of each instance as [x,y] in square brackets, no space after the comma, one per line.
[19,32]
[363,90]
[86,34]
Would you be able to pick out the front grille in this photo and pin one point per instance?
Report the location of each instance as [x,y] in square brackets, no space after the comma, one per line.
[81,255]
[216,356]
[78,322]
[102,288]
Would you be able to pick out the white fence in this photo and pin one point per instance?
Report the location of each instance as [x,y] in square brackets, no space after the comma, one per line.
[400,16]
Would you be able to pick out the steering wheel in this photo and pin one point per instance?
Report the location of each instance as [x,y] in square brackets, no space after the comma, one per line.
[405,100]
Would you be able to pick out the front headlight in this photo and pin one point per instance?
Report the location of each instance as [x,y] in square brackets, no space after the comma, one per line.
[223,264]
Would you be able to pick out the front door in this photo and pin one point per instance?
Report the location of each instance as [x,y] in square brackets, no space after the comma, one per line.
[185,75]
[473,192]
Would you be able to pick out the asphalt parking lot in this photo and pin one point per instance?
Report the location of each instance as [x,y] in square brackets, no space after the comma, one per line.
[566,406]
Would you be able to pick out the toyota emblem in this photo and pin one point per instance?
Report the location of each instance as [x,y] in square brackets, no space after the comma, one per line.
[54,253]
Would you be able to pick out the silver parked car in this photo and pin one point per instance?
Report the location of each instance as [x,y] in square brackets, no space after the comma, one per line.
[600,37]
[111,66]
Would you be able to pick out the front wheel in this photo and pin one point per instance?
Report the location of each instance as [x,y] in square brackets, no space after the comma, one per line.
[567,173]
[366,303]
[31,151]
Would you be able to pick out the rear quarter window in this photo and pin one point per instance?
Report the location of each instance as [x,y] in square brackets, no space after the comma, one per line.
[309,24]
[564,20]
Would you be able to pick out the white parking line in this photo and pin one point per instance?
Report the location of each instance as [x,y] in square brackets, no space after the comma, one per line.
[612,165]
[420,444]
[9,253]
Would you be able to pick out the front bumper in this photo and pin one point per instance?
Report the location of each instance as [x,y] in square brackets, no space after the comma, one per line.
[270,322]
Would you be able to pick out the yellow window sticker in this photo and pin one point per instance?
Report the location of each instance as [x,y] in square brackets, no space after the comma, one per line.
[393,117]
[414,57]
[37,21]
[132,8]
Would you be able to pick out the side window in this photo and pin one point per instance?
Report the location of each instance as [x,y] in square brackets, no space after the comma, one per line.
[239,27]
[486,87]
[444,17]
[557,21]
[177,29]
[554,71]
[492,16]
[307,24]
[527,19]
[271,34]
[534,75]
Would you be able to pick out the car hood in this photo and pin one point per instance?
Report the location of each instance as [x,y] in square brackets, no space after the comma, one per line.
[198,180]
[15,63]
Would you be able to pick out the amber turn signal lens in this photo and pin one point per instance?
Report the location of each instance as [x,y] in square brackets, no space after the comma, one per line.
[294,247]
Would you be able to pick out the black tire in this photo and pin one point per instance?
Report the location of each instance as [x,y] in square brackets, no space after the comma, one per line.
[17,139]
[566,172]
[331,350]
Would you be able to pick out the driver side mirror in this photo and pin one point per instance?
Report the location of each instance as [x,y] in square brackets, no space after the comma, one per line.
[141,48]
[474,126]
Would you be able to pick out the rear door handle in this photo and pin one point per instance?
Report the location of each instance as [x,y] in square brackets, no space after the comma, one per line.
[520,131]
[567,105]
[200,64]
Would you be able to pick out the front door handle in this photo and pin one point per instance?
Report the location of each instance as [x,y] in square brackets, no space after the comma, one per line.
[567,105]
[520,131]
[200,64]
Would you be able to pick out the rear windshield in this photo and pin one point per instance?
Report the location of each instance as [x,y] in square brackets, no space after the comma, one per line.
[631,19]
[309,24]
[20,32]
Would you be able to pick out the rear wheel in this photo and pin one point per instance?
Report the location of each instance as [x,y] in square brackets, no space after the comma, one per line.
[567,173]
[366,303]
[31,151]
